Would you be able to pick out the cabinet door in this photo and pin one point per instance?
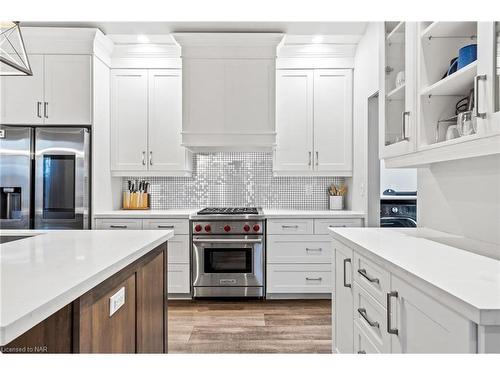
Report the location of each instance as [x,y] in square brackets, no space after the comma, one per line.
[68,90]
[294,120]
[343,299]
[488,68]
[22,96]
[397,113]
[165,121]
[333,120]
[425,325]
[129,119]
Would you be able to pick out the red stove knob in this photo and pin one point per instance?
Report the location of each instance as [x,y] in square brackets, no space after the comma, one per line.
[208,228]
[197,227]
[256,227]
[227,228]
[246,227]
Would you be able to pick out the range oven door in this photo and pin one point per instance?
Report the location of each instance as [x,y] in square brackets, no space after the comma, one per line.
[231,261]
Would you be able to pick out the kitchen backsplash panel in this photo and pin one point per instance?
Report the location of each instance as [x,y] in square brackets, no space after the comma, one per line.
[238,179]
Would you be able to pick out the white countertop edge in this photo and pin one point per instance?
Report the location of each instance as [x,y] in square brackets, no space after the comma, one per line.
[28,321]
[473,313]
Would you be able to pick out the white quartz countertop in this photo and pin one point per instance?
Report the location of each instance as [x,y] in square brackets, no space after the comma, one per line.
[268,213]
[41,274]
[468,281]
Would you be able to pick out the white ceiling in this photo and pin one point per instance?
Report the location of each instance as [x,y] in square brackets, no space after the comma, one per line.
[291,28]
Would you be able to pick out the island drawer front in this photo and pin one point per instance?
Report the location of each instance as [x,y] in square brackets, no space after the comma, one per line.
[365,270]
[299,249]
[376,329]
[290,226]
[118,223]
[362,342]
[321,226]
[179,280]
[179,226]
[299,278]
[178,249]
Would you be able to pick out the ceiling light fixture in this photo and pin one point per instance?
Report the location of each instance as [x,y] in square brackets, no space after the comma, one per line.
[13,57]
[142,38]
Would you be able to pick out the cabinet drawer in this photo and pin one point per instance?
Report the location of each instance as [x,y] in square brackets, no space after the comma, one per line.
[292,226]
[178,249]
[372,318]
[372,278]
[299,278]
[178,225]
[362,343]
[118,223]
[179,280]
[321,225]
[299,249]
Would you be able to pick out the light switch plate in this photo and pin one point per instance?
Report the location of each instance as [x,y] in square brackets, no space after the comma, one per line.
[116,301]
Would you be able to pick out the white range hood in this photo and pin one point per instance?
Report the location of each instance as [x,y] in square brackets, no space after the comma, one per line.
[228,91]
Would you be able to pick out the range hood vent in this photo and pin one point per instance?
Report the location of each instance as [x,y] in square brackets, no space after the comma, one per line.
[228,90]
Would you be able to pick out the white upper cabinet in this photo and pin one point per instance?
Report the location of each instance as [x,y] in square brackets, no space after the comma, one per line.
[398,106]
[68,90]
[146,122]
[294,120]
[129,119]
[313,122]
[333,120]
[58,93]
[165,121]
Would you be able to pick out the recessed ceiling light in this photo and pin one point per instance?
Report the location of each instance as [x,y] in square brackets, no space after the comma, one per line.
[142,38]
[317,39]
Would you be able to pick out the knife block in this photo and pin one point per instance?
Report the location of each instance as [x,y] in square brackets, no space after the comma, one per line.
[135,201]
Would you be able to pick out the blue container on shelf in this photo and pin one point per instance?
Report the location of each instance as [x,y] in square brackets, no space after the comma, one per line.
[467,55]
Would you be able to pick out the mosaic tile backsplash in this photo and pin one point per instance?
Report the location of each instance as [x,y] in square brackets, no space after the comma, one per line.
[238,179]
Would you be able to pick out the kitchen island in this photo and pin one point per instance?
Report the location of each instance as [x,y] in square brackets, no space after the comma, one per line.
[83,291]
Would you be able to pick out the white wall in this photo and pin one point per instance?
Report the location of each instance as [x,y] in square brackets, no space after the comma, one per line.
[105,189]
[399,179]
[366,83]
[462,197]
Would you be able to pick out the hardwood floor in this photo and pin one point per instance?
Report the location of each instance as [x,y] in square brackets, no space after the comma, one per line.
[273,326]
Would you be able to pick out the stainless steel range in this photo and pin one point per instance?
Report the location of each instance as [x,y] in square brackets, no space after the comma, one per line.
[228,252]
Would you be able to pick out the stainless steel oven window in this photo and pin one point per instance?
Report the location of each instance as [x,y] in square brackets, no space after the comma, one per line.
[228,260]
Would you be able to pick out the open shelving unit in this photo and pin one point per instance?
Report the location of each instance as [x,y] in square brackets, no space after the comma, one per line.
[454,84]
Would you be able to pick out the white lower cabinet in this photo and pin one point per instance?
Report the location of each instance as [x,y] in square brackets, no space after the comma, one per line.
[178,279]
[299,278]
[118,224]
[378,312]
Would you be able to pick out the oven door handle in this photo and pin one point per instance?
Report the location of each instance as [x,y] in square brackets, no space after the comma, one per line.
[227,240]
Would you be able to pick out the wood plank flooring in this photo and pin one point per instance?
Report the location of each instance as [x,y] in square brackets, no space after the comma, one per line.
[273,326]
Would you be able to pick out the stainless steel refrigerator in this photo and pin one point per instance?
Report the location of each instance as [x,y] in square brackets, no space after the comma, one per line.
[44,177]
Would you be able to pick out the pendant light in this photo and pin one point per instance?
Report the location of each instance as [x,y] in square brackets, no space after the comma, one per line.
[13,58]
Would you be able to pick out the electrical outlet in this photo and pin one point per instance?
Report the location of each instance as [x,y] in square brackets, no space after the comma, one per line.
[116,301]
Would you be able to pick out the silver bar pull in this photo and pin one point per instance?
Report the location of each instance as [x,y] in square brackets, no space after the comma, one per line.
[166,226]
[337,226]
[404,114]
[150,157]
[372,323]
[310,158]
[480,77]
[46,109]
[317,158]
[289,226]
[39,109]
[314,278]
[318,249]
[346,260]
[144,158]
[361,352]
[118,226]
[392,331]
[227,240]
[363,273]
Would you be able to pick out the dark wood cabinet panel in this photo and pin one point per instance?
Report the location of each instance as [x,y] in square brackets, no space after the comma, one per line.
[151,306]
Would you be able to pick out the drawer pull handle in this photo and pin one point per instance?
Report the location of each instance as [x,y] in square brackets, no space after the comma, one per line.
[363,273]
[118,226]
[372,323]
[290,226]
[361,352]
[318,249]
[337,226]
[346,260]
[392,331]
[314,278]
[166,226]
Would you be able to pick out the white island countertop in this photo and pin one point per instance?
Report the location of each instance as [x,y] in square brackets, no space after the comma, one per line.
[43,273]
[465,281]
